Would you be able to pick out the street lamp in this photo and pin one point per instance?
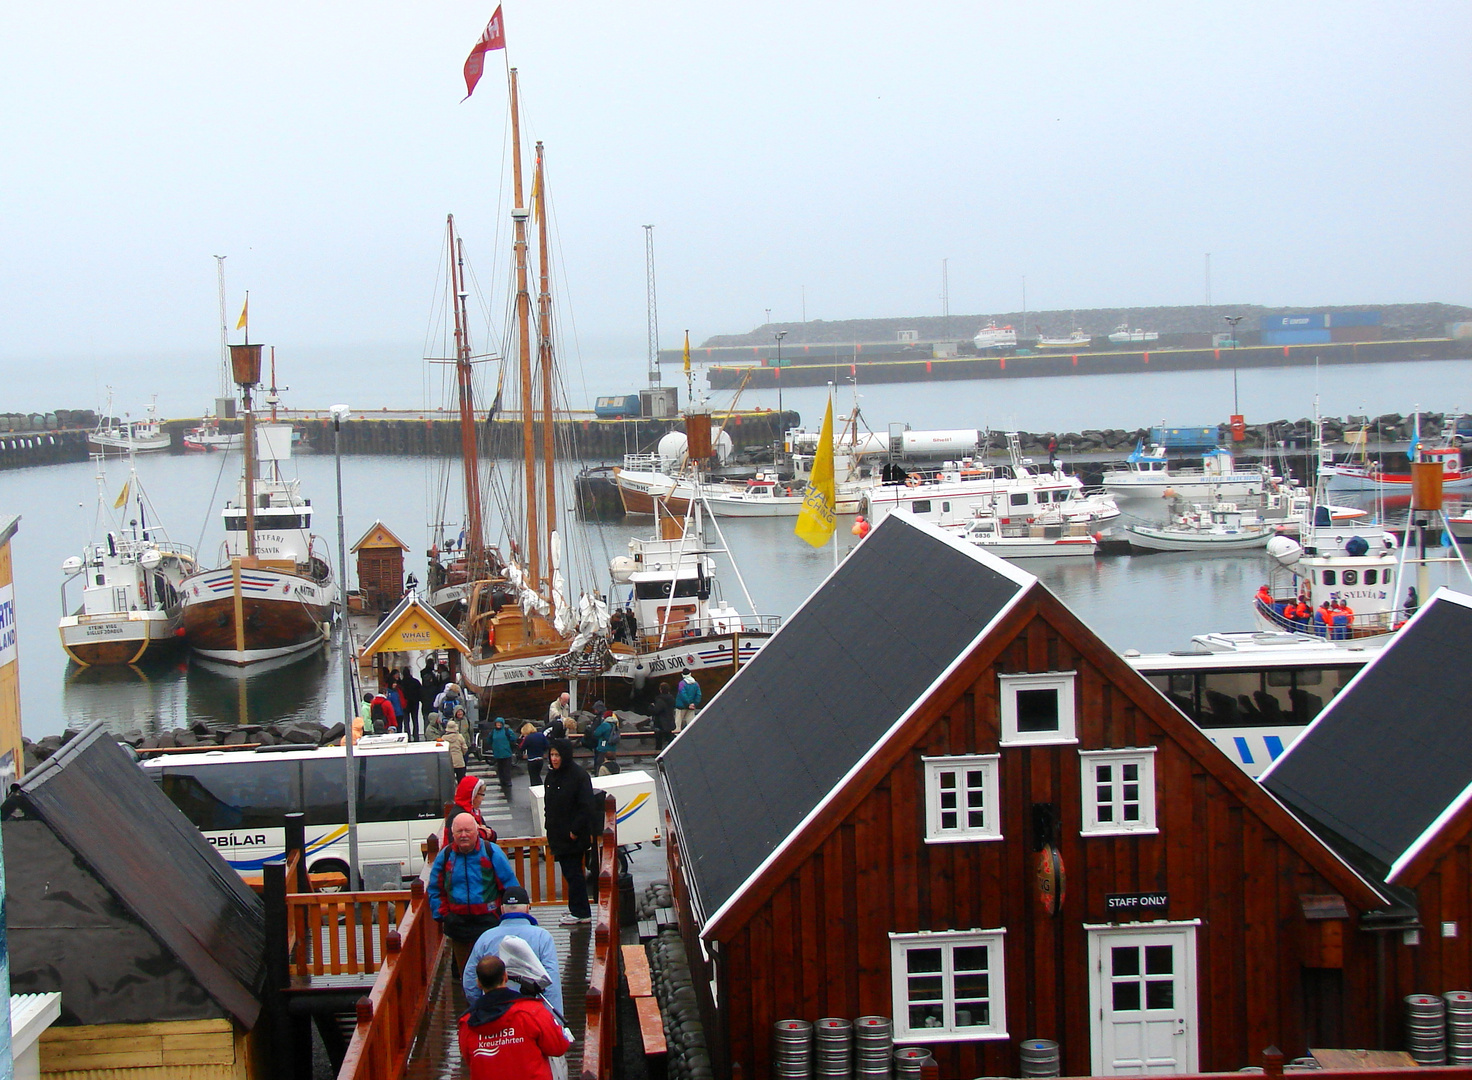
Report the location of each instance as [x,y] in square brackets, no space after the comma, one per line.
[781,421]
[339,414]
[1232,321]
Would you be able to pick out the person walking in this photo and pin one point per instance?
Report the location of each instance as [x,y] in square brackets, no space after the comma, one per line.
[506,1036]
[687,700]
[448,700]
[502,752]
[605,739]
[516,921]
[534,749]
[467,881]
[413,691]
[456,743]
[569,800]
[662,713]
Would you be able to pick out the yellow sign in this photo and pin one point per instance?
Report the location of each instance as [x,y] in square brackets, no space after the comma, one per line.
[12,762]
[415,632]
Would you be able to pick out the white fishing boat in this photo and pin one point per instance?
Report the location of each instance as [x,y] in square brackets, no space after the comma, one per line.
[1049,535]
[992,336]
[130,580]
[1148,474]
[273,593]
[951,497]
[1076,340]
[1220,526]
[1360,473]
[208,437]
[1123,335]
[119,438]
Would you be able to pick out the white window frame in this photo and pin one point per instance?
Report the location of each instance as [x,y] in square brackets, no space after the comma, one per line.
[1064,683]
[1143,756]
[948,941]
[935,833]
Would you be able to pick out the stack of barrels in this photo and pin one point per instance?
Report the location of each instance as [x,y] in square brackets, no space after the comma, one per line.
[1426,1029]
[792,1050]
[1040,1058]
[1458,1027]
[873,1045]
[909,1061]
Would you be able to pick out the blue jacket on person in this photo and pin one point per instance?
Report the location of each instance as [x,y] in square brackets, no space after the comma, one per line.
[469,884]
[687,696]
[501,742]
[604,734]
[522,925]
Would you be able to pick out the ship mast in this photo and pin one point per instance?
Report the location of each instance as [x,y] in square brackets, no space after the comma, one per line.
[469,449]
[523,326]
[544,360]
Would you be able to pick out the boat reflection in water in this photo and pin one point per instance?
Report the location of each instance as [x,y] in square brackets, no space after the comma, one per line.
[147,698]
[271,691]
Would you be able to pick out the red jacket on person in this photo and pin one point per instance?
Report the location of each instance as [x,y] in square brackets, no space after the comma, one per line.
[510,1037]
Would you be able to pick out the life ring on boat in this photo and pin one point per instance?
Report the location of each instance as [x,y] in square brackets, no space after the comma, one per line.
[143,592]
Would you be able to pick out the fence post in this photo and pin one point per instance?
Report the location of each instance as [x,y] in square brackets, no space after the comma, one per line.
[291,1036]
[1272,1062]
[296,840]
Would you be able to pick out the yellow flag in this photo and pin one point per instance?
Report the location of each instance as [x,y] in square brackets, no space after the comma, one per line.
[687,352]
[240,323]
[122,495]
[816,522]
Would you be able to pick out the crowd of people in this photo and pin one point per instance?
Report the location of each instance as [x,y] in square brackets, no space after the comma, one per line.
[1333,618]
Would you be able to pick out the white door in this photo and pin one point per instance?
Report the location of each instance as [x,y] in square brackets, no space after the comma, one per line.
[1143,999]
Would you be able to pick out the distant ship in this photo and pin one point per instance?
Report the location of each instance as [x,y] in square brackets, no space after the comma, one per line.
[992,336]
[1123,335]
[1076,340]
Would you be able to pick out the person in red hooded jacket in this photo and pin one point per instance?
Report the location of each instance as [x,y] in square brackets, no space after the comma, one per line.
[469,794]
[506,1036]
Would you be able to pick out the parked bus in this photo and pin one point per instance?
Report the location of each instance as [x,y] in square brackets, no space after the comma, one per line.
[239,800]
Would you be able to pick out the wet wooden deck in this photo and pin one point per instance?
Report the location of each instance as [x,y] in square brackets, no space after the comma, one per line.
[436,1051]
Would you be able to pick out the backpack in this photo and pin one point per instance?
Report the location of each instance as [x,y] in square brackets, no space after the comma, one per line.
[590,739]
[377,715]
[613,736]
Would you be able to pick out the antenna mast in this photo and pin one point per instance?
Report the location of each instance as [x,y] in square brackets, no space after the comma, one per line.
[224,336]
[653,306]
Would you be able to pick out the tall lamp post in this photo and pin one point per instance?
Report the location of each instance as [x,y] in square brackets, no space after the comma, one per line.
[1232,321]
[781,422]
[339,414]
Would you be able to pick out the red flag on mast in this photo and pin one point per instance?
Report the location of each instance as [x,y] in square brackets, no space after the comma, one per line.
[493,38]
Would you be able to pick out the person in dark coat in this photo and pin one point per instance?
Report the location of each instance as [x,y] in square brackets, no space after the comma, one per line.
[413,691]
[569,800]
[662,712]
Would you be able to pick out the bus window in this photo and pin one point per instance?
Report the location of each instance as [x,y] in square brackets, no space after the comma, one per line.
[399,788]
[325,791]
[1229,699]
[222,797]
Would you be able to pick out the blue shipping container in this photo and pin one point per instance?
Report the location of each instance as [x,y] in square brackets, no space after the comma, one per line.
[1295,337]
[1184,438]
[1316,321]
[1354,318]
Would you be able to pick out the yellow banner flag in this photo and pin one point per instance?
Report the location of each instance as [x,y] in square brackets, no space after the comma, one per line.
[122,495]
[240,324]
[816,522]
[687,352]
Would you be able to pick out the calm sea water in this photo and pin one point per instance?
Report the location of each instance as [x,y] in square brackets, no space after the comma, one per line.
[1152,603]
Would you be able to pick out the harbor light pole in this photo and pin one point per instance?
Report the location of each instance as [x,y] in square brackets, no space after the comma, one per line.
[781,423]
[339,414]
[1232,321]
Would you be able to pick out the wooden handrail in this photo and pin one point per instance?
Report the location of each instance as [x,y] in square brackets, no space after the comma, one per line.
[317,947]
[601,1029]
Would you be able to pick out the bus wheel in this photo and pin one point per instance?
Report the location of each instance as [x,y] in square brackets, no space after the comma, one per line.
[331,866]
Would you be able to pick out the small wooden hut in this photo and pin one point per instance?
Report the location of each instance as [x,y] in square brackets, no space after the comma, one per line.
[380,568]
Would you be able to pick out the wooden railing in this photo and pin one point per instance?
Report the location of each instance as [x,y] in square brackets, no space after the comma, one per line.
[536,869]
[342,933]
[602,1004]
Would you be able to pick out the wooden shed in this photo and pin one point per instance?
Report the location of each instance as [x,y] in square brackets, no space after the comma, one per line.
[380,568]
[1384,775]
[935,795]
[116,901]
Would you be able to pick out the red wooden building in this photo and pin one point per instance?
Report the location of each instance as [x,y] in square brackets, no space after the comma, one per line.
[935,795]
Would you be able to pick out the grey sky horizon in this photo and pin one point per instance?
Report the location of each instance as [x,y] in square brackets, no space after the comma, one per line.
[818,160]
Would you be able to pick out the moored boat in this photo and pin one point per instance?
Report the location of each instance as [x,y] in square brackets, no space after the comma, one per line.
[1123,335]
[1148,474]
[1221,526]
[1047,535]
[1363,474]
[992,336]
[122,437]
[1076,340]
[207,437]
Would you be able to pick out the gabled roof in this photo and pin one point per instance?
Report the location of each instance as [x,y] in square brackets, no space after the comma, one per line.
[137,844]
[1386,768]
[413,625]
[768,750]
[379,535]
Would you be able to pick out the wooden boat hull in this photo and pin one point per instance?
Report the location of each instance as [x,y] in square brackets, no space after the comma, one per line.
[271,614]
[94,641]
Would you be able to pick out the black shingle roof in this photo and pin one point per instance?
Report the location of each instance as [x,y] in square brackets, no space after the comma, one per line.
[1394,749]
[769,748]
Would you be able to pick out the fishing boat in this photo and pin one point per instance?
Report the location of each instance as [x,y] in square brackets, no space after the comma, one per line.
[1219,526]
[1123,335]
[951,496]
[1049,534]
[1076,340]
[992,336]
[207,437]
[1148,474]
[130,581]
[273,593]
[118,438]
[1363,474]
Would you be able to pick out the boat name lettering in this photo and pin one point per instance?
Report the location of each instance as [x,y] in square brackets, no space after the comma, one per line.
[102,629]
[1137,901]
[230,840]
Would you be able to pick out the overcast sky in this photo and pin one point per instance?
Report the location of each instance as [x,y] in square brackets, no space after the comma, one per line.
[837,152]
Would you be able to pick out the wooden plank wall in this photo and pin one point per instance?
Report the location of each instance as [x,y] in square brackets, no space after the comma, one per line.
[819,947]
[178,1050]
[1439,963]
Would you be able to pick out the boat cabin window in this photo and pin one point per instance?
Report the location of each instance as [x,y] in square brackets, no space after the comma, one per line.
[920,506]
[1019,498]
[1371,577]
[1351,577]
[1061,495]
[1386,575]
[1329,577]
[660,590]
[945,508]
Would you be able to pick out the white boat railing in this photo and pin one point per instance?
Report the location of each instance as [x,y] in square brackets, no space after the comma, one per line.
[649,639]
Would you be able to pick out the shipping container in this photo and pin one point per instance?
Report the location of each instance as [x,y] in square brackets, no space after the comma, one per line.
[1309,321]
[1355,333]
[1295,337]
[1184,438]
[1339,319]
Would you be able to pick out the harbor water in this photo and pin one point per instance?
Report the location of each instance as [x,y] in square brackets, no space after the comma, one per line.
[1150,603]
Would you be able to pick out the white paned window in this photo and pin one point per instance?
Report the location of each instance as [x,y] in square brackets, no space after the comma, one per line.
[948,986]
[961,799]
[1037,708]
[1118,790]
